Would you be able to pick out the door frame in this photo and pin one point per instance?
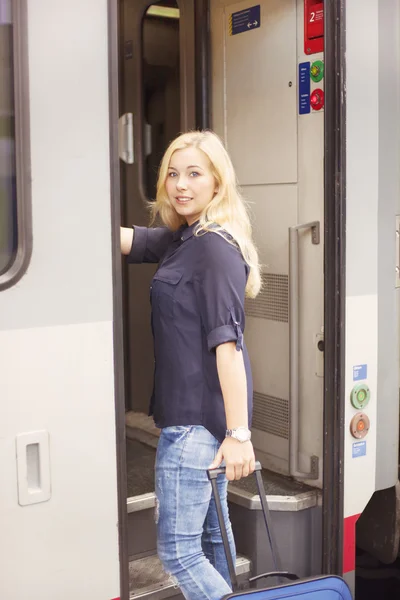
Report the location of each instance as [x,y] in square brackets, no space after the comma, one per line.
[334,286]
[118,332]
[334,265]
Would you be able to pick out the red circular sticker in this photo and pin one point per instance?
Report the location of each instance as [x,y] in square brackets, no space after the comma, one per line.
[317,99]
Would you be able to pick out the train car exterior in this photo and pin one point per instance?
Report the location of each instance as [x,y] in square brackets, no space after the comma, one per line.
[305,94]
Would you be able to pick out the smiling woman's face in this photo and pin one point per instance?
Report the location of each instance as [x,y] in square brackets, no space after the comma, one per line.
[190,184]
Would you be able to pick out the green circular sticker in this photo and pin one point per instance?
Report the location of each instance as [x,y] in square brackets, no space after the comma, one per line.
[317,70]
[360,396]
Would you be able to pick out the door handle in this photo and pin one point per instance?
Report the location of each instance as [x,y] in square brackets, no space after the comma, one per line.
[33,467]
[294,406]
[125,138]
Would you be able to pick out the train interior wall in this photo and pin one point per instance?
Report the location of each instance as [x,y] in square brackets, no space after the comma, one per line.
[278,155]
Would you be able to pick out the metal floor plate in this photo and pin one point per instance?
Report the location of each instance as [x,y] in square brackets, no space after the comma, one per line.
[146,574]
[275,485]
[283,493]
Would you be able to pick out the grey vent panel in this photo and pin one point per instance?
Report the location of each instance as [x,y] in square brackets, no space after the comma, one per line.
[273,301]
[271,415]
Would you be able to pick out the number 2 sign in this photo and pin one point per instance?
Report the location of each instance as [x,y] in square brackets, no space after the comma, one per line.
[313,26]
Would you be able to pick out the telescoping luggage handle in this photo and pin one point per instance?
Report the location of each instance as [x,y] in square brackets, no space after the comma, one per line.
[213,474]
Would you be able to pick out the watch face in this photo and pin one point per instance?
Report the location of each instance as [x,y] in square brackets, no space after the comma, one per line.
[242,435]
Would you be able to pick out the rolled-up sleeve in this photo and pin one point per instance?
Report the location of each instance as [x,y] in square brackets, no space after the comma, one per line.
[220,288]
[149,244]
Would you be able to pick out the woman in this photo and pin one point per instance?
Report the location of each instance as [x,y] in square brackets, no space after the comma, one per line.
[202,397]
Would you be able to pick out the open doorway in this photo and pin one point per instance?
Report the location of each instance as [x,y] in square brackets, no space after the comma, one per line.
[160,96]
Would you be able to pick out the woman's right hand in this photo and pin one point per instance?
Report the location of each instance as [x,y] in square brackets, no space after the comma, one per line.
[126,239]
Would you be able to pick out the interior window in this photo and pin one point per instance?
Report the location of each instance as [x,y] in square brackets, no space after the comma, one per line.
[8,199]
[161,85]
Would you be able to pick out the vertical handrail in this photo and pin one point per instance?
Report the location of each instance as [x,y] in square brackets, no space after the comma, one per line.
[294,406]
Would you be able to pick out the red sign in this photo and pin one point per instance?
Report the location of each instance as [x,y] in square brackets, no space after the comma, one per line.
[313,26]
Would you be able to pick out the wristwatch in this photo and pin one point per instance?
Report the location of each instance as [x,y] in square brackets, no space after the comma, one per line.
[242,434]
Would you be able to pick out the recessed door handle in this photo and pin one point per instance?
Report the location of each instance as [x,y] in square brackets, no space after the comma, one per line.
[125,138]
[33,467]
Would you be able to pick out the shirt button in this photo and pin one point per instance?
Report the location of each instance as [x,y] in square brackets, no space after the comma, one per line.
[182,238]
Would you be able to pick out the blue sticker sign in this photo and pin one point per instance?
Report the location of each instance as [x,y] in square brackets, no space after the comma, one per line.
[304,88]
[359,372]
[245,20]
[359,449]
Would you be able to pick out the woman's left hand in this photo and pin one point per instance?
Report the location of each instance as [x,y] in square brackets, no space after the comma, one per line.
[238,456]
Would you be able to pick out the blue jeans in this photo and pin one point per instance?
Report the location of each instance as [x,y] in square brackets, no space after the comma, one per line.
[189,541]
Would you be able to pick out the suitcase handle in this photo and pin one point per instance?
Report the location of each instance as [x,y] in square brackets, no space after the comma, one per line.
[213,474]
[284,574]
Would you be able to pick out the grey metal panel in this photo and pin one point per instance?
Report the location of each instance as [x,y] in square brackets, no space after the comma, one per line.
[69,279]
[271,414]
[388,207]
[283,493]
[273,300]
[141,531]
[362,176]
[276,503]
[268,123]
[296,534]
[350,579]
[141,502]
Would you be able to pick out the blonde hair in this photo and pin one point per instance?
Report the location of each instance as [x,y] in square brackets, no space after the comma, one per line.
[226,212]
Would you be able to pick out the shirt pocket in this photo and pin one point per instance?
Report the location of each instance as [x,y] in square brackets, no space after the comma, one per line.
[164,290]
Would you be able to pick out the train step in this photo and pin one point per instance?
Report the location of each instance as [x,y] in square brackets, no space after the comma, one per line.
[295,509]
[147,579]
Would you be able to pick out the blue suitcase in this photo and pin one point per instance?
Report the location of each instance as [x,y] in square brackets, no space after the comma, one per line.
[317,588]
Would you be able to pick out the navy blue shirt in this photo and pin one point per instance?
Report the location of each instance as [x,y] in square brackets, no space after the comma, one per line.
[197,299]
